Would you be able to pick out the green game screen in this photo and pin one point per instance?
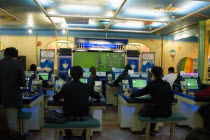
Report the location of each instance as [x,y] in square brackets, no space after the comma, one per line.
[83,80]
[102,61]
[44,76]
[139,83]
[192,83]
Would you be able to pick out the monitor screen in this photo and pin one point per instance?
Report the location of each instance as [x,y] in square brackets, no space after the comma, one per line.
[86,74]
[84,80]
[45,76]
[139,83]
[116,75]
[192,83]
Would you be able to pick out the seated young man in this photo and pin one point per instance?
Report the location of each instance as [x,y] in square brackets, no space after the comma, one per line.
[161,98]
[76,95]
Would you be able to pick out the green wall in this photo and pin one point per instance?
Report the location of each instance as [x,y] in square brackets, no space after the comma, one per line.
[103,61]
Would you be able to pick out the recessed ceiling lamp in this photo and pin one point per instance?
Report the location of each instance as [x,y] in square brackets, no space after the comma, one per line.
[30,31]
[63,31]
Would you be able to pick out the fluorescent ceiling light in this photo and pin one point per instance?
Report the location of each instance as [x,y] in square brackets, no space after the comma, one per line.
[135,24]
[30,20]
[64,25]
[142,12]
[58,20]
[52,12]
[80,8]
[115,3]
[190,6]
[109,14]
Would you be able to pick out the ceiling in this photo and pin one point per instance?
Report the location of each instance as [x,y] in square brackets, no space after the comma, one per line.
[134,16]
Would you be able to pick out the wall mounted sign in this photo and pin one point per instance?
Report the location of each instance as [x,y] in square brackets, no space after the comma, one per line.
[47,58]
[148,61]
[97,44]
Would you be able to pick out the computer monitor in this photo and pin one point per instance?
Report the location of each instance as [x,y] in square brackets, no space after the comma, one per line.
[115,75]
[192,84]
[86,74]
[44,75]
[101,73]
[138,83]
[84,80]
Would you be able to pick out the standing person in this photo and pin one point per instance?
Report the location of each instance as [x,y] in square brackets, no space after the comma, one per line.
[12,77]
[161,98]
[6,132]
[93,76]
[76,95]
[170,77]
[123,76]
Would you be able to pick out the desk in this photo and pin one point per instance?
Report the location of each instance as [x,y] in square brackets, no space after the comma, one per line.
[34,103]
[188,106]
[128,109]
[96,109]
[110,98]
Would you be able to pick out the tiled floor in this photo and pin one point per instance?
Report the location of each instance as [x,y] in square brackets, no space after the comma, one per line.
[112,131]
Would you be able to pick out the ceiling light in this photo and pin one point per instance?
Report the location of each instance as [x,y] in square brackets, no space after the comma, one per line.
[80,8]
[64,31]
[110,14]
[64,25]
[52,12]
[115,3]
[30,31]
[30,20]
[129,23]
[51,1]
[58,20]
[93,21]
[144,13]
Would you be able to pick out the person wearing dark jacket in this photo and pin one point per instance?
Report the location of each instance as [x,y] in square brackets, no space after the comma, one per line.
[76,95]
[12,77]
[123,76]
[161,97]
[93,76]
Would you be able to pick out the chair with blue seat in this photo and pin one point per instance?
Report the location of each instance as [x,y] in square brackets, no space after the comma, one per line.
[85,124]
[21,117]
[173,119]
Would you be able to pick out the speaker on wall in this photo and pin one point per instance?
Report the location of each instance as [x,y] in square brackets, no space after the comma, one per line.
[65,51]
[133,53]
[22,60]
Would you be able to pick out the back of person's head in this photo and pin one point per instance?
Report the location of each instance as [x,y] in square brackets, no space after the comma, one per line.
[3,119]
[92,70]
[33,67]
[11,52]
[76,72]
[198,134]
[157,72]
[171,69]
[128,67]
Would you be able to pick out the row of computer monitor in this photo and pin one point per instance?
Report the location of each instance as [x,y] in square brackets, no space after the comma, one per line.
[193,84]
[45,75]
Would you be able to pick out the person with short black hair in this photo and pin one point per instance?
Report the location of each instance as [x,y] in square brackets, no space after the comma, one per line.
[198,134]
[123,76]
[161,98]
[33,67]
[12,77]
[93,76]
[170,77]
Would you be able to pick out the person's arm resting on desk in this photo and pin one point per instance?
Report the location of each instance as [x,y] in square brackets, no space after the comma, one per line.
[94,94]
[59,95]
[144,91]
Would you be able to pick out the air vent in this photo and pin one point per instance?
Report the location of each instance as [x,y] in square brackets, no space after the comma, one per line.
[77,21]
